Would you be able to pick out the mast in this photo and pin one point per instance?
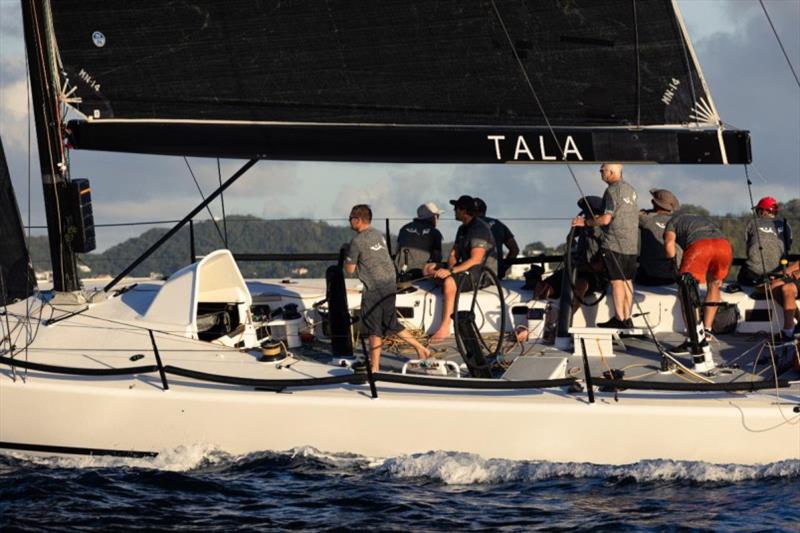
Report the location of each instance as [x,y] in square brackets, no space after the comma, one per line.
[46,89]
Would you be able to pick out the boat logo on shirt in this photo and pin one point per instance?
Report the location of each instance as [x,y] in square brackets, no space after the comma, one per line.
[661,225]
[99,39]
[415,232]
[769,230]
[376,247]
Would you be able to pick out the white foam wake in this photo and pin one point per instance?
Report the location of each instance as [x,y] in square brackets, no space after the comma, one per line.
[454,468]
[450,468]
[180,459]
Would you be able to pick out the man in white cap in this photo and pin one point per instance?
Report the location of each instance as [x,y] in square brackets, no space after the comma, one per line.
[419,244]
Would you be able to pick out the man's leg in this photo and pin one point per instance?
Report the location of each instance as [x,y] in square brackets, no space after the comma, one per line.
[788,293]
[618,292]
[448,302]
[713,295]
[628,299]
[375,344]
[581,288]
[422,352]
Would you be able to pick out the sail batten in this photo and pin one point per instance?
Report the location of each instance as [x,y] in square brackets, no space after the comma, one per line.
[448,64]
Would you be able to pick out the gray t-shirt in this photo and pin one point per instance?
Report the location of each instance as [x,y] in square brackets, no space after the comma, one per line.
[689,229]
[374,267]
[770,235]
[652,257]
[418,242]
[476,234]
[622,234]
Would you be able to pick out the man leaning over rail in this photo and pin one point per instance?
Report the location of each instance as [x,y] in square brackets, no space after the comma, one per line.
[368,255]
[707,256]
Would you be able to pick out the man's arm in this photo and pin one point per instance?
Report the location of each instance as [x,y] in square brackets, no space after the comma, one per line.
[669,244]
[451,259]
[436,248]
[513,248]
[351,257]
[602,220]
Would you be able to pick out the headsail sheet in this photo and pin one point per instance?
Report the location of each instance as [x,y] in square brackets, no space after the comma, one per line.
[17,280]
[496,67]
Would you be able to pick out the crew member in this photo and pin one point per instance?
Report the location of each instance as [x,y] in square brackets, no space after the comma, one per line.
[419,244]
[474,247]
[707,256]
[768,241]
[620,223]
[502,237]
[654,267]
[785,290]
[368,255]
[589,268]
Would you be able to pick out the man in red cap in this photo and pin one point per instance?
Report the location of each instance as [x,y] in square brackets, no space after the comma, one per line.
[768,241]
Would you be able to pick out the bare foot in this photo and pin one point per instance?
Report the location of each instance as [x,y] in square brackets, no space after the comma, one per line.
[437,338]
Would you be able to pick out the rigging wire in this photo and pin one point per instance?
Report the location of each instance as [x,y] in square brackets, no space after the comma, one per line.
[222,199]
[780,43]
[208,208]
[638,68]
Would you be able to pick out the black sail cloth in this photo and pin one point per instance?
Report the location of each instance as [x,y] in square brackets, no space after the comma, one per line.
[17,280]
[409,80]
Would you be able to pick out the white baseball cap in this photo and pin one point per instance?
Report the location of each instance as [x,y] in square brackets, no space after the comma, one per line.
[428,210]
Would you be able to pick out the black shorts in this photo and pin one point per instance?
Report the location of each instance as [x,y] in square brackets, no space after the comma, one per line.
[379,313]
[469,281]
[619,266]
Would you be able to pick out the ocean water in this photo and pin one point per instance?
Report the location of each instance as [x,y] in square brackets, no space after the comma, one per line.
[199,489]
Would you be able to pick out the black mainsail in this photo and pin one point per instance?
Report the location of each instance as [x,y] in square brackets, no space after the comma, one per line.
[474,81]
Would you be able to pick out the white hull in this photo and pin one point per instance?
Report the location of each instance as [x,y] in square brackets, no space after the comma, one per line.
[535,425]
[57,413]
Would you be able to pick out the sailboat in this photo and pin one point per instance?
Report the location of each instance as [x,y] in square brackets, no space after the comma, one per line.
[207,357]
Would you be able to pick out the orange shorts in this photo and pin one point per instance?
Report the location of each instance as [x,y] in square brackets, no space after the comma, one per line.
[708,256]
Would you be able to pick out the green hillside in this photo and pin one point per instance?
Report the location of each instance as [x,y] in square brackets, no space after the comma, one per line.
[254,235]
[245,235]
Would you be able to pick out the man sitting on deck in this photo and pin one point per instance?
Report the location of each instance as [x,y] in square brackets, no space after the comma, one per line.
[589,269]
[654,267]
[707,255]
[368,255]
[474,246]
[785,290]
[419,244]
[768,241]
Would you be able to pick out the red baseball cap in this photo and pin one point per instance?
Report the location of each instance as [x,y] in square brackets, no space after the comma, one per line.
[768,203]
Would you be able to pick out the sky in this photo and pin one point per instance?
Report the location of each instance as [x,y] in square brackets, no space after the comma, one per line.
[749,79]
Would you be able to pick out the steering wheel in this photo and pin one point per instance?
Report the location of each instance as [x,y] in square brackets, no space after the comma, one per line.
[486,274]
[577,245]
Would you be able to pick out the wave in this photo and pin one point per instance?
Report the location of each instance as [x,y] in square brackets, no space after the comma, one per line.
[448,468]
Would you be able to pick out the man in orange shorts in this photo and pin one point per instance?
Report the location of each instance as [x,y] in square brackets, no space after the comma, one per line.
[706,254]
